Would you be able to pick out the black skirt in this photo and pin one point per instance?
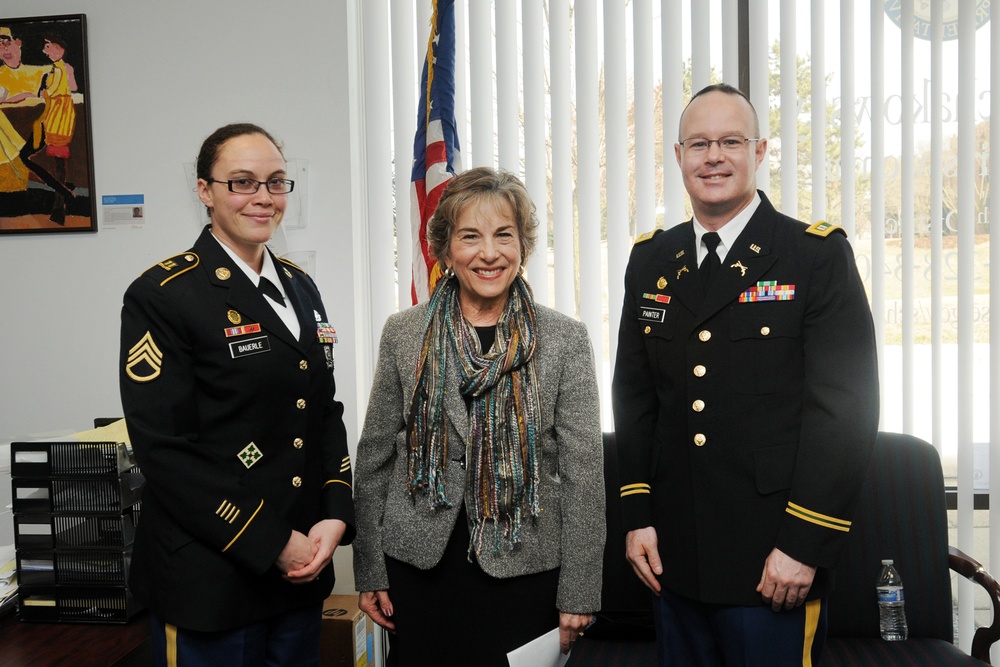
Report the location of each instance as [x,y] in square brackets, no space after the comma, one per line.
[454,614]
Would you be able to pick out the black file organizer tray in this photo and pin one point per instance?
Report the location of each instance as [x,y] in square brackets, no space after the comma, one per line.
[73,568]
[76,531]
[70,459]
[77,496]
[76,604]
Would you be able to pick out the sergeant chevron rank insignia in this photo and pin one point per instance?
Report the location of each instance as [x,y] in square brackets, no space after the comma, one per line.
[144,360]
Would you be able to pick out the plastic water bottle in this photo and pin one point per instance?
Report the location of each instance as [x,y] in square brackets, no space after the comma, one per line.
[891,614]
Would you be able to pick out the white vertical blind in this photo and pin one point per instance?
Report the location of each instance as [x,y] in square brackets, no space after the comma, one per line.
[760,87]
[564,255]
[788,77]
[701,46]
[966,110]
[817,49]
[617,168]
[480,48]
[848,125]
[405,79]
[994,374]
[535,157]
[730,41]
[588,170]
[906,211]
[508,105]
[378,164]
[875,266]
[671,28]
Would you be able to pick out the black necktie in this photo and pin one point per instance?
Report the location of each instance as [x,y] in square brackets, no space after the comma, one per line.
[270,289]
[711,264]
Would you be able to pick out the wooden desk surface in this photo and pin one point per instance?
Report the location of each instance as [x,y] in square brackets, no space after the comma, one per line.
[81,645]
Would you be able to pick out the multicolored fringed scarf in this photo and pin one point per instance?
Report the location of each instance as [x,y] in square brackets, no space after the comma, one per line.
[502,389]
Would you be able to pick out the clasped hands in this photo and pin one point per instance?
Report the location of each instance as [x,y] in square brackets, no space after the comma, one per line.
[304,556]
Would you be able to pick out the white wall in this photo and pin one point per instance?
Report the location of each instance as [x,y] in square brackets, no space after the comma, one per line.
[163,75]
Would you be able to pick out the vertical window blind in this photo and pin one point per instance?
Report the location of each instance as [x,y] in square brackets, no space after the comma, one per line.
[883,130]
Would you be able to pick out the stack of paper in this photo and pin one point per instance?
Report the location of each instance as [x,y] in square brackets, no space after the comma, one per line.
[8,580]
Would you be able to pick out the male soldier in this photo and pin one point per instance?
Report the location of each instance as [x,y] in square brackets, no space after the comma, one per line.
[746,407]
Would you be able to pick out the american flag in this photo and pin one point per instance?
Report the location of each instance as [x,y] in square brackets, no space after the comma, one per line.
[436,157]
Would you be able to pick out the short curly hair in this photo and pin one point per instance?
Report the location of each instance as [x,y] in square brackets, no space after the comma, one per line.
[475,185]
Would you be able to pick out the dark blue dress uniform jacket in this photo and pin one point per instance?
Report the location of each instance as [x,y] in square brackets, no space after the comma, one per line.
[745,417]
[235,426]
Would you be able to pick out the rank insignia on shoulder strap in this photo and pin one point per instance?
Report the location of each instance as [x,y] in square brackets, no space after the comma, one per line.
[824,228]
[645,237]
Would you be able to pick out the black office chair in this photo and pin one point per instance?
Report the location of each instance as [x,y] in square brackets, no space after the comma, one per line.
[902,515]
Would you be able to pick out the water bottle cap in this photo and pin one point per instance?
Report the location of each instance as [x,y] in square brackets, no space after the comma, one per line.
[887,561]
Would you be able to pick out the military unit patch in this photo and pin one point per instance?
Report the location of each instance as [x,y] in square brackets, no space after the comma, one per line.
[768,290]
[250,455]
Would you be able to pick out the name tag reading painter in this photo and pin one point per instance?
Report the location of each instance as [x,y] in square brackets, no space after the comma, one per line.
[244,348]
[652,314]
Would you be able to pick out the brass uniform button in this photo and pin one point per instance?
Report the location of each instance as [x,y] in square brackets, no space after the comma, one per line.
[699,371]
[647,329]
[698,405]
[296,481]
[704,335]
[700,439]
[765,331]
[303,365]
[297,443]
[301,404]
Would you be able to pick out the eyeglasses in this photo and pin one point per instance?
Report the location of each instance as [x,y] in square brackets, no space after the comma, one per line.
[729,144]
[248,186]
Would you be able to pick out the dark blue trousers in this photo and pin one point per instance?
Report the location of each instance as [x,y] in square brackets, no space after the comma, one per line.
[289,639]
[696,634]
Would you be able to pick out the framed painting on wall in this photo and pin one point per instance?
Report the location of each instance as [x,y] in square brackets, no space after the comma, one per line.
[46,148]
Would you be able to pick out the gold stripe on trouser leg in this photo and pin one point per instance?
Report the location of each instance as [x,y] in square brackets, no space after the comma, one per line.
[171,635]
[813,609]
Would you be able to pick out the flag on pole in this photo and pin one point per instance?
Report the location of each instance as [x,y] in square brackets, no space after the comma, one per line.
[436,157]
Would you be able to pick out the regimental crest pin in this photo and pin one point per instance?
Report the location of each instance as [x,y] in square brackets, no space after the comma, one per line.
[661,283]
[222,273]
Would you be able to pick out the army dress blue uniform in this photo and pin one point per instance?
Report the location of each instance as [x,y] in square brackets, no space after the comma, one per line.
[745,417]
[235,425]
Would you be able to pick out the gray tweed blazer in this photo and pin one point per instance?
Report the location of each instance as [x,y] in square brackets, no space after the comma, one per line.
[570,531]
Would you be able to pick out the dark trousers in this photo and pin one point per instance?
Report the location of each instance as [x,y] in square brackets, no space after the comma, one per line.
[696,634]
[289,639]
[456,615]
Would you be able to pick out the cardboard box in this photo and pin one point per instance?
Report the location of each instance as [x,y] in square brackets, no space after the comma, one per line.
[348,635]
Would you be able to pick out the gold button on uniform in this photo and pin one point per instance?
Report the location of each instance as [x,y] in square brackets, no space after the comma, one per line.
[704,335]
[700,439]
[303,365]
[698,405]
[647,329]
[297,443]
[699,371]
[301,404]
[764,331]
[296,481]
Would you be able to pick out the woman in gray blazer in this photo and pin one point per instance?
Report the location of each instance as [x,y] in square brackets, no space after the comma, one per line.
[479,477]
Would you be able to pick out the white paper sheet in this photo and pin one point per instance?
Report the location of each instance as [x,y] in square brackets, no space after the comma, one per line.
[540,652]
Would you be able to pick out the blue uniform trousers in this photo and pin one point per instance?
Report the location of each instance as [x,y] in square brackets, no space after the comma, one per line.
[288,639]
[697,634]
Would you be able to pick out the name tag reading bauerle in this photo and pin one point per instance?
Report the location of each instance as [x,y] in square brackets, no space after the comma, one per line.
[244,348]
